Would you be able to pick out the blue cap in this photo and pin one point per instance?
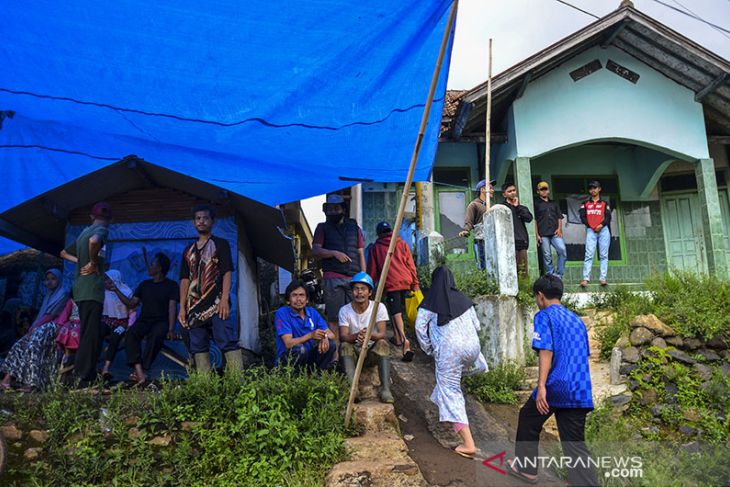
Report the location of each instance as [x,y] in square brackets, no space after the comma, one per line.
[483,183]
[383,227]
[362,278]
[335,199]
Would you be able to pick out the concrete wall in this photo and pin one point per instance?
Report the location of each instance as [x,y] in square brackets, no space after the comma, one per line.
[506,331]
[557,112]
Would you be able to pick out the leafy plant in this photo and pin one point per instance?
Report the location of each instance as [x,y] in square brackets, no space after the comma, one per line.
[260,427]
[498,385]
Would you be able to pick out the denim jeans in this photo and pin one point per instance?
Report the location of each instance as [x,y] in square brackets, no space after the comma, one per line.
[547,254]
[603,239]
[480,254]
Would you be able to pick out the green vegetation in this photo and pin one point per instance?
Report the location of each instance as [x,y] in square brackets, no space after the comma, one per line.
[697,403]
[498,385]
[663,463]
[261,427]
[694,306]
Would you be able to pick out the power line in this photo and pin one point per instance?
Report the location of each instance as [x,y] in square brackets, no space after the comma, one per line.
[578,8]
[697,16]
[692,16]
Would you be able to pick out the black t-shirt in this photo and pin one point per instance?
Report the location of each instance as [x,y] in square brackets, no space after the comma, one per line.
[547,215]
[155,297]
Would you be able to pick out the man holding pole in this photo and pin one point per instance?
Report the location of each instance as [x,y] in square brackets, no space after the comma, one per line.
[475,220]
[354,318]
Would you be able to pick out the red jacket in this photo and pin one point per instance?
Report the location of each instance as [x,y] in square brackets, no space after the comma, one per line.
[402,274]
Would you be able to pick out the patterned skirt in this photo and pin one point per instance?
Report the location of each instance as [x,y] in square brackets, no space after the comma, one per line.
[32,360]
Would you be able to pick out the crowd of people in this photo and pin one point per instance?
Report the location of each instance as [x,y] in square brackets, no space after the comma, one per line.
[595,214]
[72,325]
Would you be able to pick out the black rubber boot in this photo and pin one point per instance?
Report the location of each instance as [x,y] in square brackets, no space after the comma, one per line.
[384,371]
[348,363]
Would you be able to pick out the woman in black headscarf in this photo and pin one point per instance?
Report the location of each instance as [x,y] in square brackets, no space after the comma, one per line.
[446,327]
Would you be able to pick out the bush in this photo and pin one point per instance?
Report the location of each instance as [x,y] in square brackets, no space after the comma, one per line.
[694,305]
[498,385]
[626,305]
[259,427]
[472,282]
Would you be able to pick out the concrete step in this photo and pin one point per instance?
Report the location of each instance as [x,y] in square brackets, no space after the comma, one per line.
[372,416]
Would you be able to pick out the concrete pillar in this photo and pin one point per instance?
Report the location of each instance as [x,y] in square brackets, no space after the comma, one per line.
[499,243]
[430,250]
[525,192]
[428,217]
[712,218]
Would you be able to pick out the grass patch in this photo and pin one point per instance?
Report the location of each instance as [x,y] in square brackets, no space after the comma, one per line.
[498,385]
[259,428]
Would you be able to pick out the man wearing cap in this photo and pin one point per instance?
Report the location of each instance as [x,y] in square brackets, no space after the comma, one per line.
[474,218]
[520,216]
[596,216]
[88,290]
[340,245]
[402,279]
[549,228]
[354,319]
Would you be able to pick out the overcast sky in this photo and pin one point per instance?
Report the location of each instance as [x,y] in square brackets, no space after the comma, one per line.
[519,28]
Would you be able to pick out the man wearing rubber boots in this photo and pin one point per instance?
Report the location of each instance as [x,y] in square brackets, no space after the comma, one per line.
[354,318]
[205,288]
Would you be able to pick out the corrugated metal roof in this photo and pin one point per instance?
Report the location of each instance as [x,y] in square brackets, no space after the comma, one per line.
[626,28]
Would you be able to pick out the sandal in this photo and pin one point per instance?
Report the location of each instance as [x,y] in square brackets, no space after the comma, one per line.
[107,376]
[408,355]
[519,475]
[470,456]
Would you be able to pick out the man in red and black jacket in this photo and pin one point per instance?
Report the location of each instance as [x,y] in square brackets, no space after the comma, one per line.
[596,216]
[402,279]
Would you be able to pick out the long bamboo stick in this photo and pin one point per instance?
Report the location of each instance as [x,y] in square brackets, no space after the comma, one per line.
[401,208]
[488,130]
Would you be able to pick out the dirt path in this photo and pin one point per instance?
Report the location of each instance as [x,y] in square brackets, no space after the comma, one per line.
[429,441]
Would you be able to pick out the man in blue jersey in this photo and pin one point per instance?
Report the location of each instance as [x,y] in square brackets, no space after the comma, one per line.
[563,388]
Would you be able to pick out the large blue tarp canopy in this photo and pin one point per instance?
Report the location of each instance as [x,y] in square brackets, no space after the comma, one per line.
[272,99]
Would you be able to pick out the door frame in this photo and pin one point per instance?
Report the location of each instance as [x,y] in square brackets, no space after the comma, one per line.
[696,210]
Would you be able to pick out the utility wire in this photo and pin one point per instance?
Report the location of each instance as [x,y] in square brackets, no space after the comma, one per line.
[697,16]
[692,16]
[578,8]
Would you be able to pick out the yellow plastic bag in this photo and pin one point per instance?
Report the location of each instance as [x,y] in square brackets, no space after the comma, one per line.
[412,304]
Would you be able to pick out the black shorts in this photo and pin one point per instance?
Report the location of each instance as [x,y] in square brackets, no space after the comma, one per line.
[395,301]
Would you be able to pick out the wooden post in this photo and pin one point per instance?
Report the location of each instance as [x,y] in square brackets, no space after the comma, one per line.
[401,209]
[488,129]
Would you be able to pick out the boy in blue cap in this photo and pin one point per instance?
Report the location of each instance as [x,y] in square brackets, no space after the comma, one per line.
[474,220]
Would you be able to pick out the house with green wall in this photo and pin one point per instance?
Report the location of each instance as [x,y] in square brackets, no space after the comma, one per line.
[627,101]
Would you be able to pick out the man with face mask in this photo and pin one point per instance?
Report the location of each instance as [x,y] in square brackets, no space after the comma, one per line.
[339,244]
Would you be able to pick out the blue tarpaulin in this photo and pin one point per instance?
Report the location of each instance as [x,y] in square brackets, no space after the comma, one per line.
[274,100]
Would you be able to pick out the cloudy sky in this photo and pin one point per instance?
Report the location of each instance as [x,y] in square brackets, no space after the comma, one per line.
[519,28]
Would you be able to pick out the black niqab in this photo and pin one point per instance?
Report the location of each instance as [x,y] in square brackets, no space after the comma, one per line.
[443,298]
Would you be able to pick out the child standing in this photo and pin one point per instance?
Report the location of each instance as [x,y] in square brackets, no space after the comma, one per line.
[563,388]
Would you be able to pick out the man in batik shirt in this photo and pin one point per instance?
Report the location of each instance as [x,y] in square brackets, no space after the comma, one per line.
[205,289]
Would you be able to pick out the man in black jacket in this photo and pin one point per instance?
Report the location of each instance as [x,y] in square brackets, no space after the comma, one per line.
[339,244]
[520,215]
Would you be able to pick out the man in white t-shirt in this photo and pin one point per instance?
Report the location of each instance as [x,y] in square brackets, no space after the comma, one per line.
[354,318]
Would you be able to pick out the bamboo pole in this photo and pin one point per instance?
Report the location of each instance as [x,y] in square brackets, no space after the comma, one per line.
[488,130]
[401,209]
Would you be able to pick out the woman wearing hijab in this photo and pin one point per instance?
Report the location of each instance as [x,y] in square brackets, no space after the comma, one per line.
[115,317]
[31,361]
[446,327]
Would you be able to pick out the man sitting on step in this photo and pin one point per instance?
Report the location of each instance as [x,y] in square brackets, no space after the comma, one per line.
[354,318]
